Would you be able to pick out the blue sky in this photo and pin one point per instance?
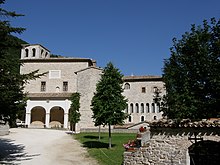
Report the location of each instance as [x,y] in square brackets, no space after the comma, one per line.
[133,34]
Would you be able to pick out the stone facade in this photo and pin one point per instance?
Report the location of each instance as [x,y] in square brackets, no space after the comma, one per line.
[49,95]
[169,146]
[140,92]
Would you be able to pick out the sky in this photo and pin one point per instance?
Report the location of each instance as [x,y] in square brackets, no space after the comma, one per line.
[135,35]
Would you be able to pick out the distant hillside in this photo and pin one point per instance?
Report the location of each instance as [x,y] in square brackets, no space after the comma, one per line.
[14,51]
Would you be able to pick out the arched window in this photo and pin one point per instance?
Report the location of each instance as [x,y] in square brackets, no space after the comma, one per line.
[126,110]
[153,108]
[129,119]
[147,108]
[26,52]
[131,108]
[155,89]
[142,118]
[142,107]
[127,86]
[33,52]
[155,117]
[158,107]
[137,108]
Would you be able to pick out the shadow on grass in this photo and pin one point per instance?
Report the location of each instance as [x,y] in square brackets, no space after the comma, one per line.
[92,137]
[11,153]
[96,144]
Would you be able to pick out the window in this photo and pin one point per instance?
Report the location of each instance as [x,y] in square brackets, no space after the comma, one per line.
[142,118]
[158,107]
[127,86]
[57,89]
[129,119]
[54,74]
[147,108]
[155,89]
[43,86]
[65,86]
[142,108]
[143,90]
[33,52]
[126,110]
[26,52]
[131,108]
[137,107]
[153,108]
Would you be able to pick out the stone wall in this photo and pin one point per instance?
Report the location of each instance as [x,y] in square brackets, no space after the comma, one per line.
[4,129]
[143,100]
[86,86]
[169,146]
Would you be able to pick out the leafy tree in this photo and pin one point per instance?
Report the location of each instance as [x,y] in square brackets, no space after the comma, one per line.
[191,74]
[74,115]
[108,102]
[12,99]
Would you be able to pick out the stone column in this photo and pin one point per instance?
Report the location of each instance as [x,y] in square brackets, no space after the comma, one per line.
[47,120]
[28,118]
[65,122]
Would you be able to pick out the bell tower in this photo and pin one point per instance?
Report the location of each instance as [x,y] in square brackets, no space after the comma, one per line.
[34,51]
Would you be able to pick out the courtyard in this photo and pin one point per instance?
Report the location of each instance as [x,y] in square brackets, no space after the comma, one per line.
[42,146]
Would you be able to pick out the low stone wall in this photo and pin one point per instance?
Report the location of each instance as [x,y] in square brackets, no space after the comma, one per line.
[4,129]
[168,147]
[112,130]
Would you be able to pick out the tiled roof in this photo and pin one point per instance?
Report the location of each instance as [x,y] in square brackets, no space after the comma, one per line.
[90,67]
[58,60]
[186,123]
[49,95]
[143,78]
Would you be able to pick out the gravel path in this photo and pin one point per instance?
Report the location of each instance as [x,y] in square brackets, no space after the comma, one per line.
[42,147]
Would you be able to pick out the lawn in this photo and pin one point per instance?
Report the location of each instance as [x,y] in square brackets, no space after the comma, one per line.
[99,149]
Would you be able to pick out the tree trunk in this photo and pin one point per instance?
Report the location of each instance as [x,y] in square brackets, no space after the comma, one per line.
[99,132]
[109,136]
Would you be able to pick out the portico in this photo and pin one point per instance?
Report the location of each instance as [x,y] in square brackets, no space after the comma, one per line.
[47,113]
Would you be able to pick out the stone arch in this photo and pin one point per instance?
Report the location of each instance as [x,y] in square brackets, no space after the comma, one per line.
[126,110]
[33,52]
[131,108]
[147,108]
[142,107]
[153,107]
[127,86]
[204,152]
[142,118]
[137,107]
[26,52]
[56,117]
[129,119]
[38,115]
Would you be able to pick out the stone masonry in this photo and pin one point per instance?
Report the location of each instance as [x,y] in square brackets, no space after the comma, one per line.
[169,146]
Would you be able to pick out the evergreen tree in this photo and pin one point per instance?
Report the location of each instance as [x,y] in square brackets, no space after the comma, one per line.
[12,99]
[74,115]
[108,102]
[191,74]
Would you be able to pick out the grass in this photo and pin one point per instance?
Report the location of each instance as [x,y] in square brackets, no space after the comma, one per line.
[99,149]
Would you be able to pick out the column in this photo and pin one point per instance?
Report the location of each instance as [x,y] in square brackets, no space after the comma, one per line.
[65,122]
[27,119]
[47,120]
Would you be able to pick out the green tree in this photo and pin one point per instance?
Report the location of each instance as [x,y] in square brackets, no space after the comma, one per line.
[108,102]
[12,99]
[191,74]
[74,115]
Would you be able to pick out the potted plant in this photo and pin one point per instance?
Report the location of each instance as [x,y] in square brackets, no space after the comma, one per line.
[142,129]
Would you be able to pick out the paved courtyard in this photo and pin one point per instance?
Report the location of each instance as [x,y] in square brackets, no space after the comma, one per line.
[42,147]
